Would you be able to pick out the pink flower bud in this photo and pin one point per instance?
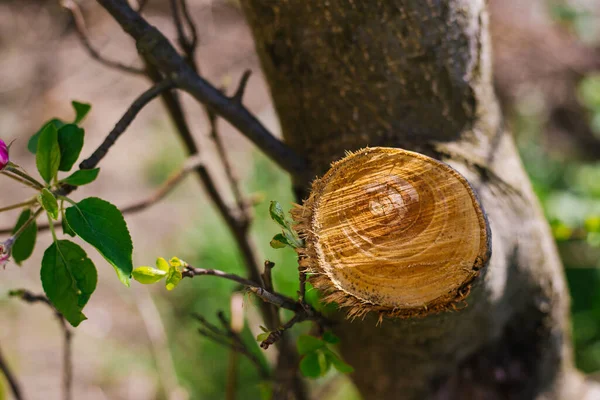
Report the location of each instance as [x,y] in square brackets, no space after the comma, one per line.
[6,249]
[3,154]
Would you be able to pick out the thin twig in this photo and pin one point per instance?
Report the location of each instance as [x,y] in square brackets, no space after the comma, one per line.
[241,202]
[267,275]
[269,297]
[275,335]
[239,93]
[125,121]
[15,386]
[82,32]
[18,205]
[167,187]
[232,340]
[152,44]
[30,297]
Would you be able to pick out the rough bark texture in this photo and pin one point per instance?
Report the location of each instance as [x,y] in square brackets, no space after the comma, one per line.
[416,74]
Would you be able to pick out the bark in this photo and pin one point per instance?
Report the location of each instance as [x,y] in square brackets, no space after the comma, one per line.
[345,74]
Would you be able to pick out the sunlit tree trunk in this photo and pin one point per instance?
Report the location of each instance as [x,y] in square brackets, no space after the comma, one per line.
[415,74]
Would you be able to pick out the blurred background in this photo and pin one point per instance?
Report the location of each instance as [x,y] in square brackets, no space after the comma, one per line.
[142,342]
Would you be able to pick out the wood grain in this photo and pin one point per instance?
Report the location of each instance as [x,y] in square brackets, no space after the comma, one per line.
[393,231]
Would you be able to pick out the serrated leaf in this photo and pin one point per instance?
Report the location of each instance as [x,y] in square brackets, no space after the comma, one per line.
[148,275]
[25,243]
[48,202]
[162,264]
[102,225]
[310,366]
[330,338]
[337,362]
[81,110]
[47,157]
[279,242]
[70,142]
[81,177]
[173,278]
[69,278]
[261,337]
[33,141]
[307,344]
[277,214]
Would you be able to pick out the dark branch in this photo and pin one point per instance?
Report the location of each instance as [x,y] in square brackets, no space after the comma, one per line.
[227,337]
[30,297]
[269,297]
[15,387]
[275,335]
[124,122]
[239,93]
[188,45]
[156,48]
[81,29]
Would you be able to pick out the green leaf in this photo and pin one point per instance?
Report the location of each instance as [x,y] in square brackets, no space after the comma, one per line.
[47,157]
[69,279]
[48,202]
[162,264]
[63,220]
[279,242]
[277,214]
[70,141]
[33,141]
[307,344]
[337,362]
[23,246]
[102,225]
[148,275]
[311,366]
[292,238]
[81,110]
[329,337]
[261,337]
[81,177]
[65,226]
[173,278]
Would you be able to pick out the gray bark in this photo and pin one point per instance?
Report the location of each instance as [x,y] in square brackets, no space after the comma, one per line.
[415,74]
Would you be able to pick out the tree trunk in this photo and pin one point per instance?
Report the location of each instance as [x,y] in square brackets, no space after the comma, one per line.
[414,74]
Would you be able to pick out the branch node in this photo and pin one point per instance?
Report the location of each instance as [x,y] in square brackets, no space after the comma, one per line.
[239,93]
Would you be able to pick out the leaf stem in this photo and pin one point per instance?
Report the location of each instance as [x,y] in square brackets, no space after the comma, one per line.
[52,228]
[25,176]
[18,179]
[19,205]
[27,223]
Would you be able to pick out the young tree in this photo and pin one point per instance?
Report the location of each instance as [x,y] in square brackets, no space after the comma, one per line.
[346,75]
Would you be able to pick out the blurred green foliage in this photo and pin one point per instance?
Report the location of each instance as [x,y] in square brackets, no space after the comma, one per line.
[569,191]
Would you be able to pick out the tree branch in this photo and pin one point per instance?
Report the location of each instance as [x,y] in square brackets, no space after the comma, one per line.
[227,337]
[269,297]
[15,387]
[125,121]
[82,32]
[156,48]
